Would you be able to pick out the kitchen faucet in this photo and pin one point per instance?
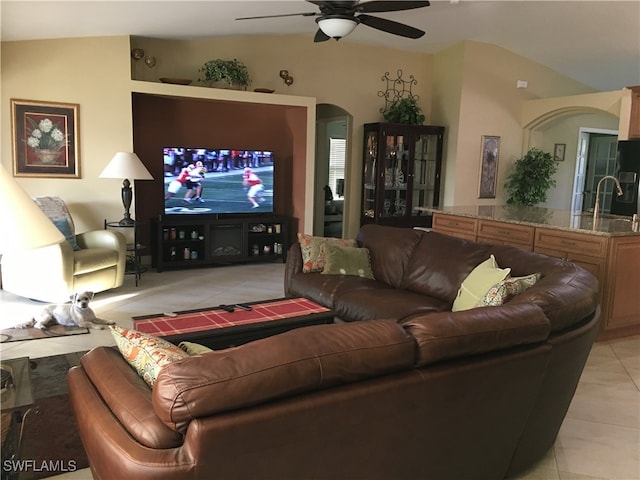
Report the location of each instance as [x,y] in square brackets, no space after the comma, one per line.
[597,207]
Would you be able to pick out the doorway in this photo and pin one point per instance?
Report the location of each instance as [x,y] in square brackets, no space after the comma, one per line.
[596,158]
[333,145]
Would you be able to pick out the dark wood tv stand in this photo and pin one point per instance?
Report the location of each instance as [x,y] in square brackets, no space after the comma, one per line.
[188,241]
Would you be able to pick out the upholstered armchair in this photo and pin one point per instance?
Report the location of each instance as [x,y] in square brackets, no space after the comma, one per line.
[91,261]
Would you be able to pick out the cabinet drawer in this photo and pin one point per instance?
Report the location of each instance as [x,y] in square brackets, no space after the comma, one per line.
[595,266]
[455,224]
[505,233]
[574,243]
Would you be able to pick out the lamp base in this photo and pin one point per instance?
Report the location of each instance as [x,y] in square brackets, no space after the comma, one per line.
[127,222]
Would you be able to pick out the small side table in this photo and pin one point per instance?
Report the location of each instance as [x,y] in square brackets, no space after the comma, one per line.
[134,258]
[16,406]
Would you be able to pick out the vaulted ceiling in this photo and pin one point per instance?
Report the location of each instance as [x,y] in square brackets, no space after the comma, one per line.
[594,42]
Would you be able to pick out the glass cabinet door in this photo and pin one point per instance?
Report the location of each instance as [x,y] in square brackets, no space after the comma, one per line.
[396,172]
[425,174]
[369,176]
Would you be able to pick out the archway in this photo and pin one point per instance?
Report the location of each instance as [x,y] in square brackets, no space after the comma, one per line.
[333,147]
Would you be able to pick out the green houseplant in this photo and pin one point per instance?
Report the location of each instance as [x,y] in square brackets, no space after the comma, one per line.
[531,178]
[231,72]
[404,110]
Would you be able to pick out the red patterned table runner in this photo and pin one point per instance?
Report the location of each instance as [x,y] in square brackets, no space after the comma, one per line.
[212,318]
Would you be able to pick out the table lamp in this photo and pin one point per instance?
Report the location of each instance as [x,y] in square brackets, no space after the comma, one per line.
[126,165]
[25,226]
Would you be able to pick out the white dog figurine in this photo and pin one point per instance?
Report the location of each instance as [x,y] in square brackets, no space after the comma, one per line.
[74,314]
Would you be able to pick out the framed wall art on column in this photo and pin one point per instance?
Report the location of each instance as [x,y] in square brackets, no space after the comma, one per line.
[489,166]
[45,139]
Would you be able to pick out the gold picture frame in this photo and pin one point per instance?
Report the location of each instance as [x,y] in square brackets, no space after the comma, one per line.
[558,151]
[45,139]
[489,166]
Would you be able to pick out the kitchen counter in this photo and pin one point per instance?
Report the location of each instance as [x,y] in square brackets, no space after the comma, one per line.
[609,248]
[605,225]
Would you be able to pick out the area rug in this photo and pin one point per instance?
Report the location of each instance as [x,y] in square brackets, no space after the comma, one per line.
[20,334]
[215,317]
[51,442]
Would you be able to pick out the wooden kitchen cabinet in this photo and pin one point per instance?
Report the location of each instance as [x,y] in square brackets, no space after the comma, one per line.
[461,227]
[634,120]
[501,233]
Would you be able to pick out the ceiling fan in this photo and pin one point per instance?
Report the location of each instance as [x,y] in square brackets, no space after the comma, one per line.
[338,19]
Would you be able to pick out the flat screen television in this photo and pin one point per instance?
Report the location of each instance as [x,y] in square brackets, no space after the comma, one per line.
[202,181]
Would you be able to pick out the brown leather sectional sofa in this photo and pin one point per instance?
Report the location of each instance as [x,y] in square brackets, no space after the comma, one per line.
[409,391]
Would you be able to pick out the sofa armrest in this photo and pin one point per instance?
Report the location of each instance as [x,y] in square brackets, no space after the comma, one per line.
[446,335]
[103,239]
[56,260]
[292,267]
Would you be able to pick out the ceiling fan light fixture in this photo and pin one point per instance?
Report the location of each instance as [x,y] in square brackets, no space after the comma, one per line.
[337,26]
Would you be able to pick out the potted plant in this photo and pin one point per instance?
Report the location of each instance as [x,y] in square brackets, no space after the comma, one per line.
[230,72]
[530,179]
[404,110]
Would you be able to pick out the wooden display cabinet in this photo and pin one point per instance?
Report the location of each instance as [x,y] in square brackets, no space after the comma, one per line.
[401,170]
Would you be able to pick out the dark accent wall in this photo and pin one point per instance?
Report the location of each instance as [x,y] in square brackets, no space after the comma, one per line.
[167,121]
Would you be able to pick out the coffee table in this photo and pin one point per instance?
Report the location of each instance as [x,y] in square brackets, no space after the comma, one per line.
[218,329]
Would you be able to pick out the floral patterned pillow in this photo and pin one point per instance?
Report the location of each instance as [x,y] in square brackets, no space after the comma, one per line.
[314,252]
[146,353]
[508,288]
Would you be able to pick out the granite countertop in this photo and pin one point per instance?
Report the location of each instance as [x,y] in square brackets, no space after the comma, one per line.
[606,225]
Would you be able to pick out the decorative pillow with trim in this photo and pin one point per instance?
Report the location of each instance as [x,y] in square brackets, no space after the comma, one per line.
[478,283]
[506,289]
[146,353]
[348,261]
[62,224]
[314,250]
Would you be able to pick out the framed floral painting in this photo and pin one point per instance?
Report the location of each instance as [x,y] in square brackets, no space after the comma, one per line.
[45,139]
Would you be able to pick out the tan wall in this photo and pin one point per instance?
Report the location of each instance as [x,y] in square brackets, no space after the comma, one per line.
[481,98]
[469,89]
[48,70]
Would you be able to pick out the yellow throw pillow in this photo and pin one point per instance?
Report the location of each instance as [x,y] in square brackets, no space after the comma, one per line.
[478,283]
[194,348]
[146,353]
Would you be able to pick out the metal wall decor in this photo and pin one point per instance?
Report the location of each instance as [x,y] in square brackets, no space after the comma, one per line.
[397,89]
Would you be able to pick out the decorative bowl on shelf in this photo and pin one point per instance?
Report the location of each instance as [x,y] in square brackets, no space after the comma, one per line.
[176,81]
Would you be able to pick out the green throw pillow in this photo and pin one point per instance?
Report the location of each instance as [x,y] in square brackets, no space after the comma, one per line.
[478,283]
[65,229]
[347,261]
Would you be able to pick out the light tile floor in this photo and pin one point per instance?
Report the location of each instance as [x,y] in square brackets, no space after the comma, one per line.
[599,439]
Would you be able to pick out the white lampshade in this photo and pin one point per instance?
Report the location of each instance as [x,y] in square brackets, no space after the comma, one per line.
[337,27]
[126,165]
[25,226]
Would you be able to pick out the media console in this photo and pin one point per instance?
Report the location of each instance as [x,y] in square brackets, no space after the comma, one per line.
[185,242]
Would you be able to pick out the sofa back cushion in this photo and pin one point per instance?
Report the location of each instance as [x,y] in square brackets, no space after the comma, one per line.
[297,361]
[390,249]
[440,263]
[566,292]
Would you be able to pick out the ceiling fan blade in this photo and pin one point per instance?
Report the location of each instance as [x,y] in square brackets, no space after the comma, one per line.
[390,26]
[389,6]
[305,14]
[334,3]
[321,36]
